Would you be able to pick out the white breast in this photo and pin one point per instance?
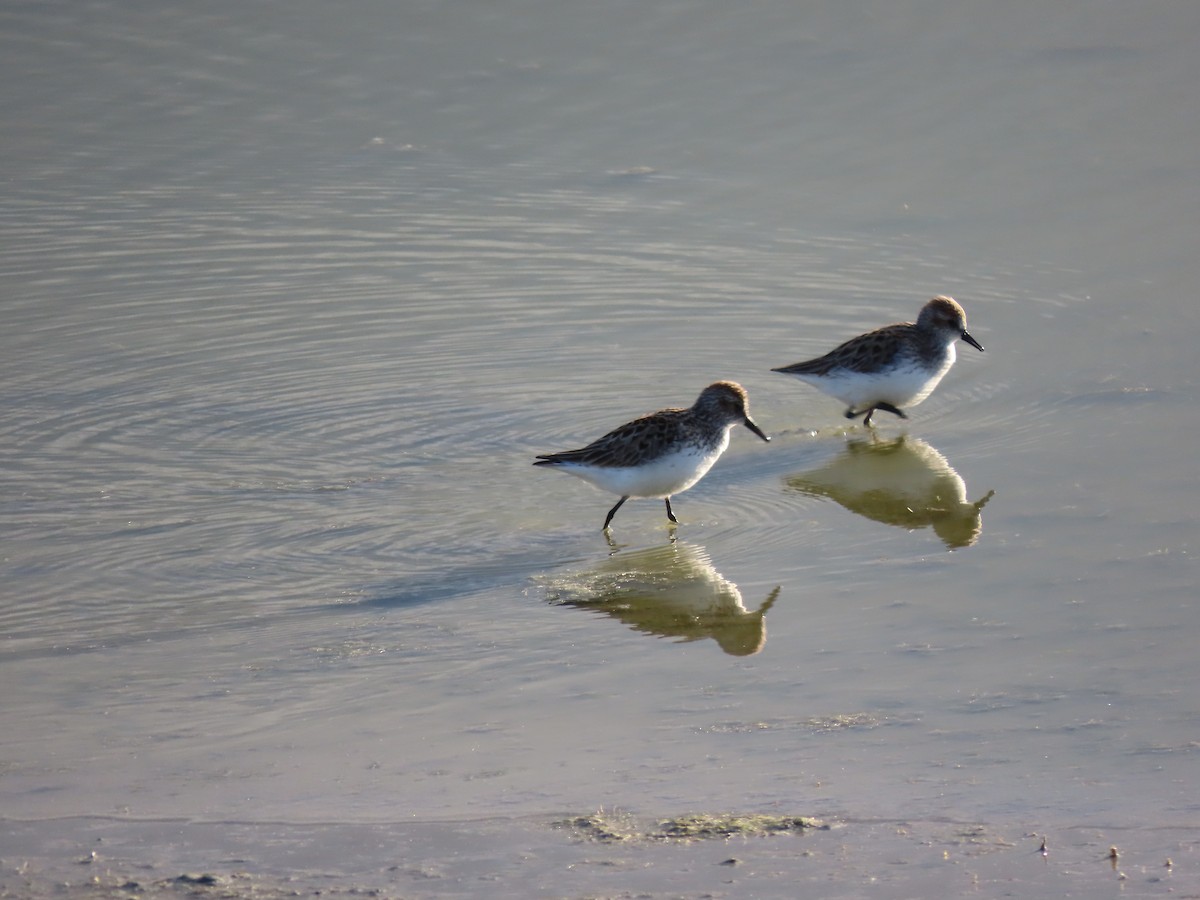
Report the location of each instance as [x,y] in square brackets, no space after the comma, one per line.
[665,476]
[904,385]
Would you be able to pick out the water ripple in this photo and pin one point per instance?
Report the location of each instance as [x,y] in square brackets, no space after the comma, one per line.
[269,398]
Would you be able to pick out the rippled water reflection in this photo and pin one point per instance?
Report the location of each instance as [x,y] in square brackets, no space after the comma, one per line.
[900,481]
[671,591]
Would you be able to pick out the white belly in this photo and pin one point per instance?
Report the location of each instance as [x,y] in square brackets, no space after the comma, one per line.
[663,477]
[903,386]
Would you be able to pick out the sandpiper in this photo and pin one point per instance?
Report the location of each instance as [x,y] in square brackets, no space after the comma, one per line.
[663,453]
[891,367]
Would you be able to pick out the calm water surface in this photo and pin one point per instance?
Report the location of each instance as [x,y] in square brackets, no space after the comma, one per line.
[291,299]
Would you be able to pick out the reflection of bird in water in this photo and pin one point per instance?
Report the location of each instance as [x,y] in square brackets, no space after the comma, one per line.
[669,591]
[902,482]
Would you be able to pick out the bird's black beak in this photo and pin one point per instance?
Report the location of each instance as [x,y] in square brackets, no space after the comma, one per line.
[755,428]
[966,336]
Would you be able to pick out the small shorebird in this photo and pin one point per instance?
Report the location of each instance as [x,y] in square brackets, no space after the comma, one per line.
[893,366]
[663,453]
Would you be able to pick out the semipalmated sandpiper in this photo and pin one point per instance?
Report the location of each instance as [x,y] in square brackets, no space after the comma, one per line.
[663,453]
[891,367]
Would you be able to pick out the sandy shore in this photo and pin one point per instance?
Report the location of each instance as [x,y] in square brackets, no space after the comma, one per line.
[589,855]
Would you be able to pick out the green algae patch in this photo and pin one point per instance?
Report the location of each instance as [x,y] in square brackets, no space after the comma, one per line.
[721,826]
[612,827]
[608,827]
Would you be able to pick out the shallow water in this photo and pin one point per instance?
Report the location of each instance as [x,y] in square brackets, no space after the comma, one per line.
[292,300]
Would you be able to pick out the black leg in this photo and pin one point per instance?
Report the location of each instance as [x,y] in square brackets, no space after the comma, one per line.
[870,412]
[895,411]
[852,413]
[671,515]
[612,512]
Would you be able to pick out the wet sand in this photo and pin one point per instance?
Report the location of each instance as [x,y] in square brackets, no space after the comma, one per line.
[601,853]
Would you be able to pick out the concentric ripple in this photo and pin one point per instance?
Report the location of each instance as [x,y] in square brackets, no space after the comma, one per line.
[228,404]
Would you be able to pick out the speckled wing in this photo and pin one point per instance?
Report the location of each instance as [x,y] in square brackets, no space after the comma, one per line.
[633,443]
[868,352]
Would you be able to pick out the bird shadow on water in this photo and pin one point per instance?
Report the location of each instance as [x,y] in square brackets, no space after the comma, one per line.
[903,482]
[670,591]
